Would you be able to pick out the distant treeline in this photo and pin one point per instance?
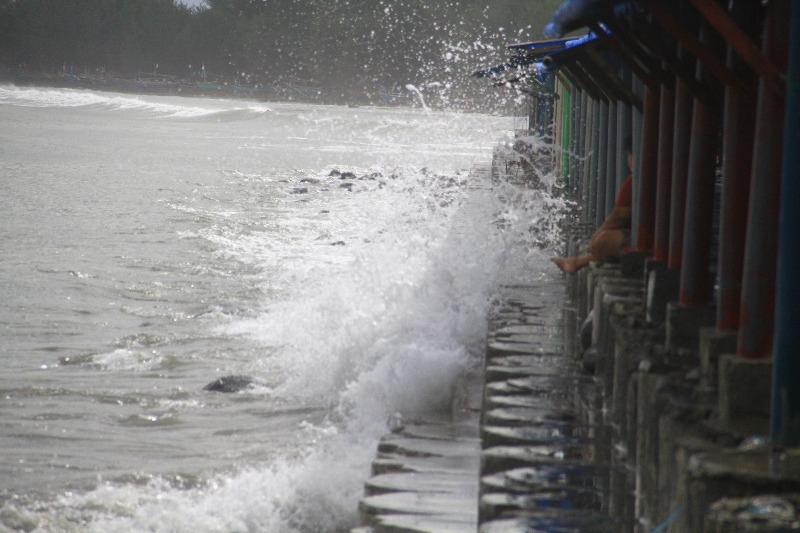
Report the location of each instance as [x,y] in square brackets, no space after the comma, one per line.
[332,43]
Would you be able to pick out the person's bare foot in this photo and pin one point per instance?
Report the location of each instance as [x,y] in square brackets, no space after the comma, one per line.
[568,265]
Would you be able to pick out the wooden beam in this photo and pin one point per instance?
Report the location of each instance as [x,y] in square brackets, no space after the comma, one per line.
[633,61]
[738,39]
[692,45]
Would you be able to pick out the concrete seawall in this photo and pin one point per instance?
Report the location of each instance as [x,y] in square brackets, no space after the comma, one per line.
[632,422]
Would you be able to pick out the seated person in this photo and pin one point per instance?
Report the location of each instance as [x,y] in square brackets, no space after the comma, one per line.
[613,235]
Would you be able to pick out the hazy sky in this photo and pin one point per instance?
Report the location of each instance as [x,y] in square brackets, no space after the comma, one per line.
[192,2]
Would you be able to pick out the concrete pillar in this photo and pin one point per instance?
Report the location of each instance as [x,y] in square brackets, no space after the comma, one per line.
[683,327]
[663,285]
[713,344]
[744,389]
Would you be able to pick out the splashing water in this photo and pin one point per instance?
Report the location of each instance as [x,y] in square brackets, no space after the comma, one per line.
[420,97]
[343,258]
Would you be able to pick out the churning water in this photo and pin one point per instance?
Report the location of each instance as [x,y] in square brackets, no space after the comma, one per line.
[342,257]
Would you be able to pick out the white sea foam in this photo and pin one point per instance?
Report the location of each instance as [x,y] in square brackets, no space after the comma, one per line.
[128,360]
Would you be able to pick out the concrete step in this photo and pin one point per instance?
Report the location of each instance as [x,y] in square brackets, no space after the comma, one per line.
[502,504]
[445,432]
[501,458]
[454,482]
[422,447]
[529,416]
[540,401]
[528,332]
[389,463]
[458,507]
[532,435]
[553,521]
[423,524]
[500,348]
[545,384]
[531,478]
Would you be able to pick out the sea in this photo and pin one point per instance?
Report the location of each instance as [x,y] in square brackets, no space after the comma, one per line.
[345,259]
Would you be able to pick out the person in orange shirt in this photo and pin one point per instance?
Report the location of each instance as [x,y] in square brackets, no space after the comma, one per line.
[613,234]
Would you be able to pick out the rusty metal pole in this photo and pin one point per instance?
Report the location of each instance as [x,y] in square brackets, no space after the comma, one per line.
[706,121]
[647,171]
[737,160]
[684,105]
[664,172]
[761,249]
[785,424]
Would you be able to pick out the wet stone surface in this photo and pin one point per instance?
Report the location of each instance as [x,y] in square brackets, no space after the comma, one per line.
[531,454]
[544,464]
[764,513]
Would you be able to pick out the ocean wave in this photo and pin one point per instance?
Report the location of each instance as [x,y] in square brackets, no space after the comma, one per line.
[81,98]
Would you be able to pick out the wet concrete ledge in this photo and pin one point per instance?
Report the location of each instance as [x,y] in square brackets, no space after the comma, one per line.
[524,449]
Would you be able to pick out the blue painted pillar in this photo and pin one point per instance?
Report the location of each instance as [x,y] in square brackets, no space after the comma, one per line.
[786,368]
[757,309]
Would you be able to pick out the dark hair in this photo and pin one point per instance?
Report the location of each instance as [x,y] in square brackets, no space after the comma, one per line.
[628,144]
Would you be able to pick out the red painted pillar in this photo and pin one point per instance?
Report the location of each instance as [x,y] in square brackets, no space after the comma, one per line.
[684,104]
[664,172]
[706,121]
[737,160]
[761,249]
[648,169]
[695,272]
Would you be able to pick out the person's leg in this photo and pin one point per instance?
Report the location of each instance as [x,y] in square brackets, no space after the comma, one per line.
[607,245]
[570,265]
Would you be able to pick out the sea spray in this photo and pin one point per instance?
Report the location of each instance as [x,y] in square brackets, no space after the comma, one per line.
[389,332]
[412,88]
